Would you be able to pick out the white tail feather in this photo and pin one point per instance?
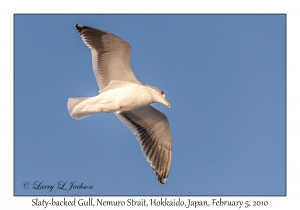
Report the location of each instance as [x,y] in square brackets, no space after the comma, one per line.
[72,103]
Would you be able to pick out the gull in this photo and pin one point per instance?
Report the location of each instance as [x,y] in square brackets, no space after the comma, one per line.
[123,94]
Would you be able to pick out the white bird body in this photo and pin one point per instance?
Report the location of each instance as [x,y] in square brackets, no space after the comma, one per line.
[122,93]
[130,97]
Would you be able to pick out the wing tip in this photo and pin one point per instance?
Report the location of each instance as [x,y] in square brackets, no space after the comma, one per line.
[79,27]
[162,180]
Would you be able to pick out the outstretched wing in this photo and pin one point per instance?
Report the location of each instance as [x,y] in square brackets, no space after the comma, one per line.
[151,128]
[110,57]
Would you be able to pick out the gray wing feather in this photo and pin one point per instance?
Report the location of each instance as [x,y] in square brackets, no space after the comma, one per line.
[151,128]
[110,56]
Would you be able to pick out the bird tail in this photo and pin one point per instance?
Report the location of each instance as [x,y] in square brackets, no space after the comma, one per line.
[75,112]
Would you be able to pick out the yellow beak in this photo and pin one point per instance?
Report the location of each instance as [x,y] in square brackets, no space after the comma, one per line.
[168,104]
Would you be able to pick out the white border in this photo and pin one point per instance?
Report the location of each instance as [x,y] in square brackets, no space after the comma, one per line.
[8,8]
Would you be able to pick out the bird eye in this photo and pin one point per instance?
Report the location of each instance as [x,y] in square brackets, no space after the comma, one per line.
[162,92]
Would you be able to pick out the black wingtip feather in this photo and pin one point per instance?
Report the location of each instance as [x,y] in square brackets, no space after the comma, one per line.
[82,28]
[79,27]
[161,178]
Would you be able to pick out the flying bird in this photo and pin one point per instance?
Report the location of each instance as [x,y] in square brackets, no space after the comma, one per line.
[123,94]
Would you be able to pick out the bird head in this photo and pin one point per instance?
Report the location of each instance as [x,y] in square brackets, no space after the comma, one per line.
[159,96]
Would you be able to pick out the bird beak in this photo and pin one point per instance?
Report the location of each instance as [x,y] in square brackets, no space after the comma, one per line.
[168,104]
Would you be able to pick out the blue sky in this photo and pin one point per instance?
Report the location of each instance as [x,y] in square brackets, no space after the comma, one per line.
[224,76]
